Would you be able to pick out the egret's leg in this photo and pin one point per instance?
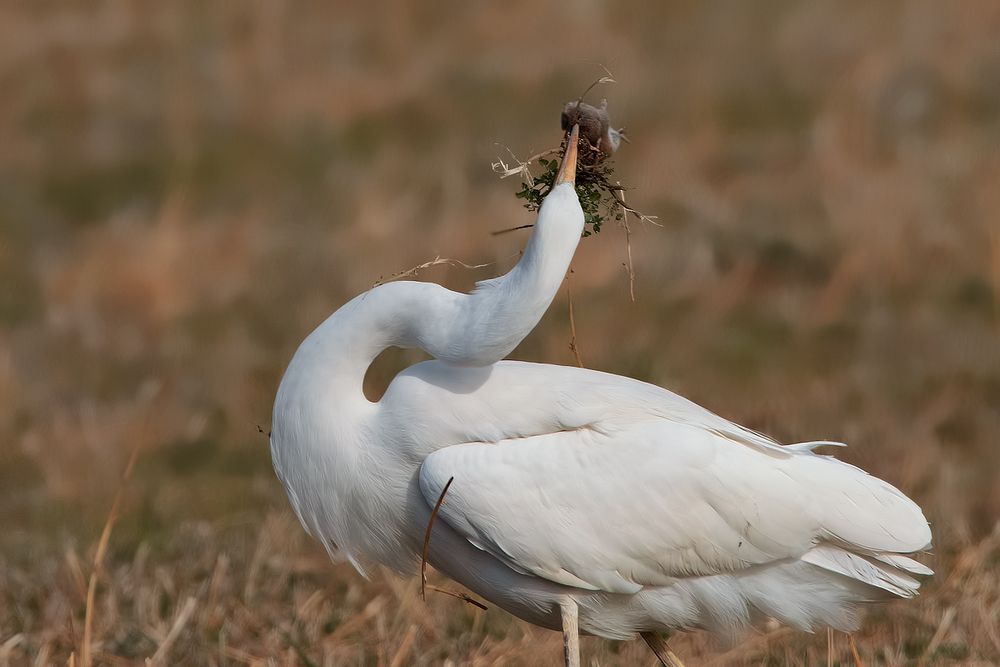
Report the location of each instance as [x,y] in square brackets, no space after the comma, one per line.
[571,632]
[658,646]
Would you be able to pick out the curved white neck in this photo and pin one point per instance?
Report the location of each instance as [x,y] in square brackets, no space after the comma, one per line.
[475,329]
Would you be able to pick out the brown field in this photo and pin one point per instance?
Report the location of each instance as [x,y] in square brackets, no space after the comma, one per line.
[187,188]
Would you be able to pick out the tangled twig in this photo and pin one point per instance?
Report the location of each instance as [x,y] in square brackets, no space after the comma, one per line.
[424,586]
[572,326]
[628,254]
[465,597]
[522,169]
[409,273]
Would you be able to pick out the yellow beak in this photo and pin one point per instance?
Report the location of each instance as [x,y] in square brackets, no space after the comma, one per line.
[567,170]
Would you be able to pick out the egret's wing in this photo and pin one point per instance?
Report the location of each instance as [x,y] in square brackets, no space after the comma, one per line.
[616,505]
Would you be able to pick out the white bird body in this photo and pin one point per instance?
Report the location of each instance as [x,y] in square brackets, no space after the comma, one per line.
[646,510]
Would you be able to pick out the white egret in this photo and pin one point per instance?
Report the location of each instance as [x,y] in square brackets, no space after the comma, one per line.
[580,500]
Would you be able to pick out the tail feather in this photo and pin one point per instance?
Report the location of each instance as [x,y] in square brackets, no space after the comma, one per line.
[861,512]
[880,572]
[901,562]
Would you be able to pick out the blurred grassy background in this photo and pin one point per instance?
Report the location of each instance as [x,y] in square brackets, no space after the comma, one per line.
[187,188]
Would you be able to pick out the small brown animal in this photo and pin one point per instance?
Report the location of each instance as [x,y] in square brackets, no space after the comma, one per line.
[595,125]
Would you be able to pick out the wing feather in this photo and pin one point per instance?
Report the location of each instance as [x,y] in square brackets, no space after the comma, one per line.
[640,504]
[607,483]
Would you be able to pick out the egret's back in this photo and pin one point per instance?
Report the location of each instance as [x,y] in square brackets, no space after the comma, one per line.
[625,491]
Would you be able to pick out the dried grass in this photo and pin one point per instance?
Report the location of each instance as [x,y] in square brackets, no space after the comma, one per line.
[186,189]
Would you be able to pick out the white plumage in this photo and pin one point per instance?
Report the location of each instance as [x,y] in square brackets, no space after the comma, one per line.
[573,489]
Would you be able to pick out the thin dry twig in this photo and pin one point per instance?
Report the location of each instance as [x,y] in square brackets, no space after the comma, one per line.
[76,573]
[427,538]
[854,652]
[512,229]
[642,217]
[409,273]
[523,167]
[458,594]
[423,556]
[86,659]
[659,647]
[404,647]
[939,634]
[572,328]
[7,648]
[608,78]
[628,250]
[182,618]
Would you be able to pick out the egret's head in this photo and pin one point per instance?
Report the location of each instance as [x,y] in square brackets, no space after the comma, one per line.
[562,204]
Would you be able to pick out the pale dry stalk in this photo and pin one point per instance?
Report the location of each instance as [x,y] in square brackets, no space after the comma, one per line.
[628,249]
[86,659]
[437,261]
[182,619]
[572,328]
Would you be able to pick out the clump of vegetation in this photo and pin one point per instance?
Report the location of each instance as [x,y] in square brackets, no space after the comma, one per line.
[601,198]
[598,196]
